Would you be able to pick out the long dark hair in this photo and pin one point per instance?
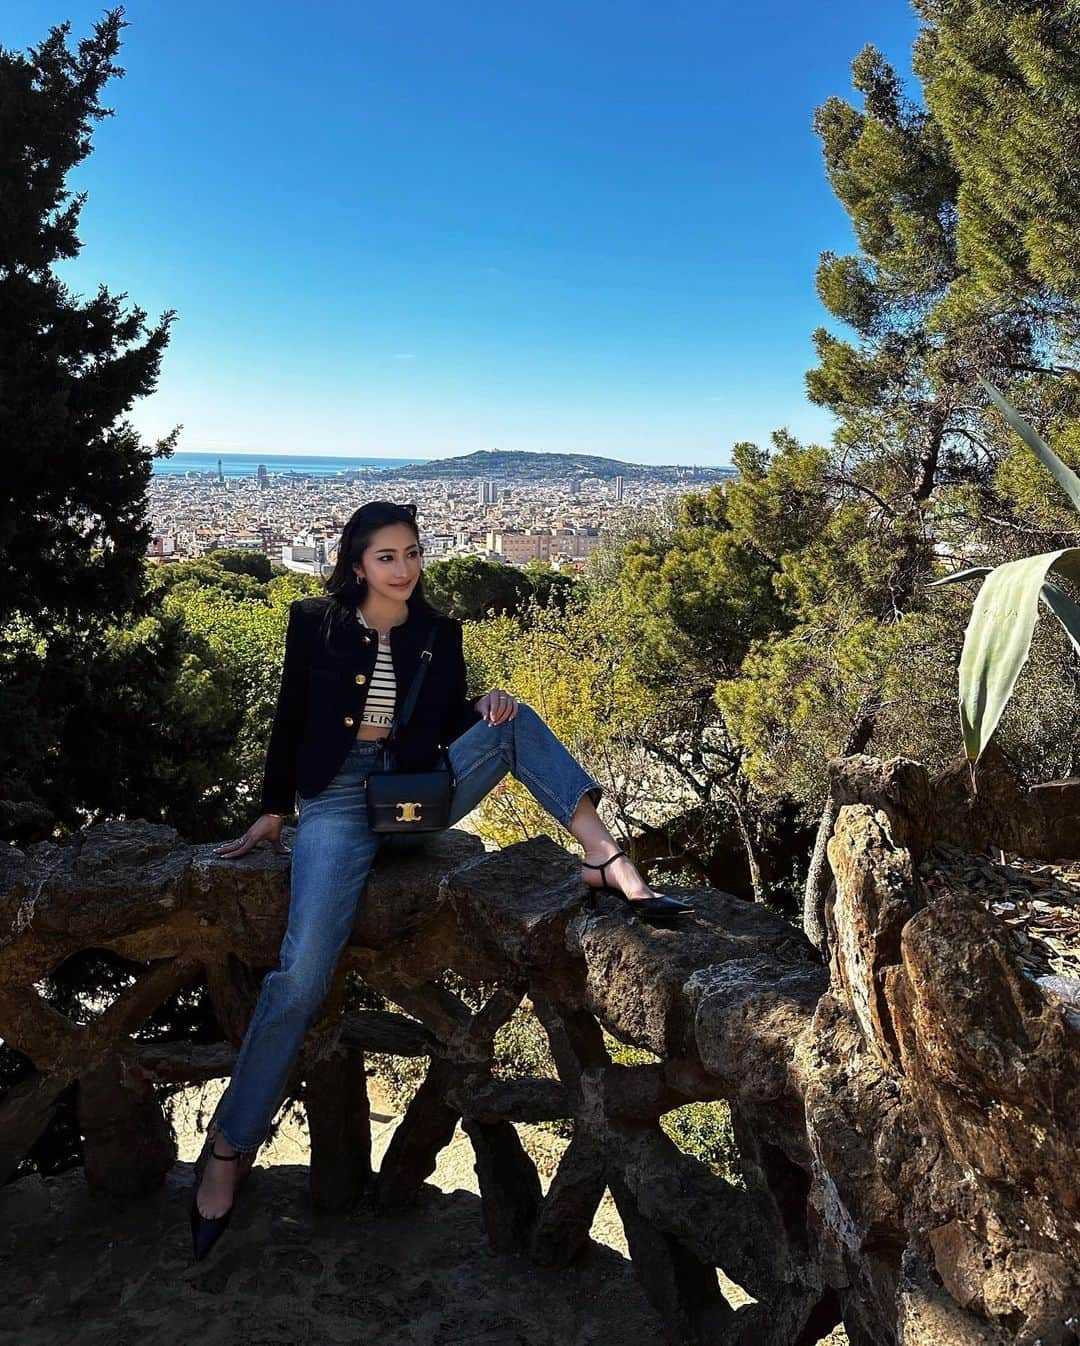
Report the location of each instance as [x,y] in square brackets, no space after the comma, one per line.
[342,583]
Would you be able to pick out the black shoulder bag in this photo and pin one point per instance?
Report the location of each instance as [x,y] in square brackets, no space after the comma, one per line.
[410,801]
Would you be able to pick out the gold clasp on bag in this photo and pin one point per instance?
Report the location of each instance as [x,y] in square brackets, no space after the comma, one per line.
[410,813]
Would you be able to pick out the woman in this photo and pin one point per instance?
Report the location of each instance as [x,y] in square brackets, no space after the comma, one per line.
[349,659]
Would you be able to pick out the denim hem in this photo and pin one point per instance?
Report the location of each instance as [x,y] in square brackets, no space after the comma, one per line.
[594,789]
[240,1149]
[560,811]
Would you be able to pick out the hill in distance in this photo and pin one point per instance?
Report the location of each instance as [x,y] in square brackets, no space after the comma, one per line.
[519,465]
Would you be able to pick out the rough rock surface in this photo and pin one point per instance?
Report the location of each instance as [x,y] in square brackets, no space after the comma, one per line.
[1042,823]
[905,1116]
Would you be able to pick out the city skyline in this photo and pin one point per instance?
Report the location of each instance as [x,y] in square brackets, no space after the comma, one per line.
[423,232]
[295,518]
[254,457]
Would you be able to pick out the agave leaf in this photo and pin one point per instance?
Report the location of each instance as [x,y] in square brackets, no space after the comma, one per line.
[960,575]
[1065,477]
[998,640]
[1065,609]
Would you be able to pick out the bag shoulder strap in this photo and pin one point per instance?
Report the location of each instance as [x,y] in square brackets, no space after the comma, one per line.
[400,721]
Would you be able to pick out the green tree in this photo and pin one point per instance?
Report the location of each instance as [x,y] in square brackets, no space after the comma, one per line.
[138,722]
[178,704]
[914,440]
[1002,81]
[244,638]
[696,598]
[551,588]
[73,528]
[847,648]
[623,523]
[238,562]
[588,690]
[69,368]
[472,589]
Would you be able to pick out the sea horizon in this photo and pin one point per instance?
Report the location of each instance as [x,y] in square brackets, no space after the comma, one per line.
[204,462]
[246,464]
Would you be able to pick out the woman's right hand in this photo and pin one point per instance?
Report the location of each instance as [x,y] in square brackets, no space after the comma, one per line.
[267,827]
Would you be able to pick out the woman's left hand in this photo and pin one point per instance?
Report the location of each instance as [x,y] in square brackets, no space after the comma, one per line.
[496,706]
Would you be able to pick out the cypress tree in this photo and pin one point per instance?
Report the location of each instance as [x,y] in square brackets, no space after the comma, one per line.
[73,528]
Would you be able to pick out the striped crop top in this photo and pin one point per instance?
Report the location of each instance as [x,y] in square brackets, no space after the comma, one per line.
[379,706]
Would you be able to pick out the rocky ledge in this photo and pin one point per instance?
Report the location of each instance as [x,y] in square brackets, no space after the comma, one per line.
[905,1114]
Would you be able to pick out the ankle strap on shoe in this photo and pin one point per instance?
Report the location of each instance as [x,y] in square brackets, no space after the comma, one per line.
[589,864]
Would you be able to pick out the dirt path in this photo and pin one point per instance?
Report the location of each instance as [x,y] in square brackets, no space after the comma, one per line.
[76,1271]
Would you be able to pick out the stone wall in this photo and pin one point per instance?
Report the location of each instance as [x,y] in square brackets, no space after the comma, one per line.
[905,1116]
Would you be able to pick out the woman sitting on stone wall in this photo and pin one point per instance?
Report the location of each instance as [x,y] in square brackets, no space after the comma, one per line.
[350,657]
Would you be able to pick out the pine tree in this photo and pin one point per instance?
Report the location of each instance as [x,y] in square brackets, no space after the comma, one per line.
[1002,81]
[73,529]
[914,427]
[911,415]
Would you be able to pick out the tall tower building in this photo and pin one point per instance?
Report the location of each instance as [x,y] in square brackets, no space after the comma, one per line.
[618,488]
[220,474]
[261,477]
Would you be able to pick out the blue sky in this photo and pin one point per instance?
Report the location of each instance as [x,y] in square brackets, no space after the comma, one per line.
[420,229]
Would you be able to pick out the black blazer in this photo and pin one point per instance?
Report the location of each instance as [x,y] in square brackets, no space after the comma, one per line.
[329,659]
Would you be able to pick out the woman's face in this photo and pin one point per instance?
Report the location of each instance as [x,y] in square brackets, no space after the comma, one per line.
[390,562]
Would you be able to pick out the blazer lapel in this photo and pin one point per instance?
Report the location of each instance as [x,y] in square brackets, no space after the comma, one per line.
[346,635]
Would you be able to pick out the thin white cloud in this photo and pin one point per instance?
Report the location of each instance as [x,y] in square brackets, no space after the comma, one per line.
[406,355]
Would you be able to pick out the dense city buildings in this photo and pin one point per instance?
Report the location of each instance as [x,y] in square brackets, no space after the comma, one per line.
[296,518]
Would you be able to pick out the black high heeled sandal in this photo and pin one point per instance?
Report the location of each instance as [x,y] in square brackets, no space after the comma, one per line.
[207,1229]
[659,906]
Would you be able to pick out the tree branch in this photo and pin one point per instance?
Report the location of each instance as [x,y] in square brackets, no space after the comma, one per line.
[838,479]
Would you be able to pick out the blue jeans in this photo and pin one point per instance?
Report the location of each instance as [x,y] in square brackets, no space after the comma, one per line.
[331,856]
